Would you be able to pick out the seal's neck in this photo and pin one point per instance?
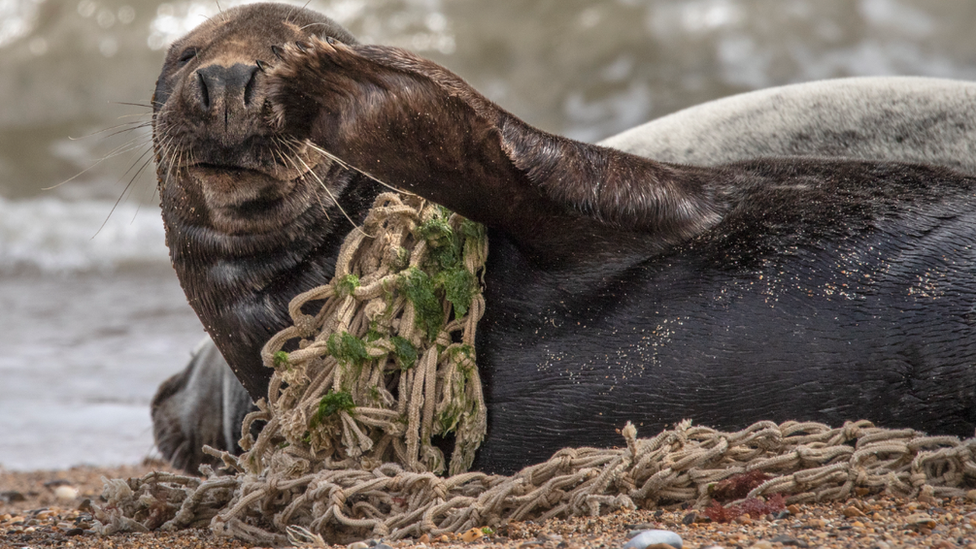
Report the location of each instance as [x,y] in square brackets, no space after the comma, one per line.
[240,284]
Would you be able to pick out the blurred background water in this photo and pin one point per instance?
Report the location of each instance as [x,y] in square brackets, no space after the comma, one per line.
[91,316]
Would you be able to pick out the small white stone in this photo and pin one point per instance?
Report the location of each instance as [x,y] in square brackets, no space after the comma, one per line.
[66,493]
[652,537]
[358,545]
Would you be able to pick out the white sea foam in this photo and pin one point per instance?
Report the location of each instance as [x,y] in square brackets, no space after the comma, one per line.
[57,236]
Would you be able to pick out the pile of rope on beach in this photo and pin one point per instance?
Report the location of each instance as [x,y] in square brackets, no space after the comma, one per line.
[381,361]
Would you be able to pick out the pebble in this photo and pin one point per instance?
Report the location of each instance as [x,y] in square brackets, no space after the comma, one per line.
[788,540]
[921,520]
[654,537]
[11,496]
[66,493]
[762,545]
[472,535]
[358,545]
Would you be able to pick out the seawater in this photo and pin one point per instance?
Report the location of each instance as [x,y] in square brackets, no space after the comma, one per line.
[91,316]
[92,322]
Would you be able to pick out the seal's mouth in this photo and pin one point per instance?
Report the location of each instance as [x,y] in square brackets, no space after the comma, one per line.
[232,186]
[242,199]
[246,173]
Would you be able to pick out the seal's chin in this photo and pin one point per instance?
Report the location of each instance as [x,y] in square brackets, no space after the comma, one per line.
[243,200]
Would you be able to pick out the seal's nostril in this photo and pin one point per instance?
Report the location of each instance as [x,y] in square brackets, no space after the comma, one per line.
[249,87]
[204,91]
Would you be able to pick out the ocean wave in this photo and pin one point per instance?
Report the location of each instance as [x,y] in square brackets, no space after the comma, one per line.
[58,236]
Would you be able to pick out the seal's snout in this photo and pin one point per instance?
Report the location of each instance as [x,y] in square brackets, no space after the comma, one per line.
[226,91]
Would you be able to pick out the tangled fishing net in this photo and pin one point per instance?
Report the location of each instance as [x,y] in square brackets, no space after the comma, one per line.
[381,360]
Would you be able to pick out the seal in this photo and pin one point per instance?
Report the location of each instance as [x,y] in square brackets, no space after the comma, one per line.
[618,288]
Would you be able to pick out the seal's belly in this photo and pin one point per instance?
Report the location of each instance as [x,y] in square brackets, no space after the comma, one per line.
[881,328]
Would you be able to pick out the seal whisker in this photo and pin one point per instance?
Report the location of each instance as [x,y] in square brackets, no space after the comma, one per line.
[132,128]
[126,147]
[332,196]
[148,160]
[152,188]
[128,186]
[349,166]
[184,157]
[114,207]
[328,38]
[291,159]
[142,105]
[177,153]
[132,125]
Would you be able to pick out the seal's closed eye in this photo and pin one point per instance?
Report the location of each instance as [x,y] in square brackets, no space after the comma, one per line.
[187,55]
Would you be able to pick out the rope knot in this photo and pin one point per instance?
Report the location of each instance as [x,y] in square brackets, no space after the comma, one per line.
[337,497]
[305,324]
[439,489]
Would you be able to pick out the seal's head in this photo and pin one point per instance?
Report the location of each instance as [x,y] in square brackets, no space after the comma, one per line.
[211,133]
[252,216]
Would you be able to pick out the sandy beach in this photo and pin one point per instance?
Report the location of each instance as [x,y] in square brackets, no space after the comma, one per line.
[52,509]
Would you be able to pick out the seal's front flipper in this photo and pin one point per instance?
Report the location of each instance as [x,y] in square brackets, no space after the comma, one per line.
[411,123]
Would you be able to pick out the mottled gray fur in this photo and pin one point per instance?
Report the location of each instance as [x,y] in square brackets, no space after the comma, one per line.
[925,120]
